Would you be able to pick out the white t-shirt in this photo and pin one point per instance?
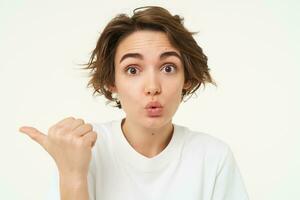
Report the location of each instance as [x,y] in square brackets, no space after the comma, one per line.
[193,166]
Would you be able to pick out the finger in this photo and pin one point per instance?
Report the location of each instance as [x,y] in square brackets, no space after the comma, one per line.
[82,130]
[66,124]
[66,120]
[34,134]
[90,138]
[76,123]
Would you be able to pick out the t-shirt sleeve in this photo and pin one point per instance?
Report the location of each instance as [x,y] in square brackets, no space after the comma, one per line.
[229,184]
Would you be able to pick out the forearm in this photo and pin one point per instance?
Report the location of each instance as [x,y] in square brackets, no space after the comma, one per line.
[73,189]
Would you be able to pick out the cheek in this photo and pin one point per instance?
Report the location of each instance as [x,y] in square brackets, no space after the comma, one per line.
[175,96]
[174,86]
[173,93]
[127,92]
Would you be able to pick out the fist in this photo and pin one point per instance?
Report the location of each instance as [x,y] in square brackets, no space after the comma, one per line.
[69,142]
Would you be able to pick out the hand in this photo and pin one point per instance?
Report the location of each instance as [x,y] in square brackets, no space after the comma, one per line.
[69,142]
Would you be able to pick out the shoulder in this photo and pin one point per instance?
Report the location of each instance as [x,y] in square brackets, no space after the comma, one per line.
[204,140]
[207,145]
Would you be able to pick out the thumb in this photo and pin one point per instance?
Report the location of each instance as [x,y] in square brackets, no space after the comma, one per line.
[34,134]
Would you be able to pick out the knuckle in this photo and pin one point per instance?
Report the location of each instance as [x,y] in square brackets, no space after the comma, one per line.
[81,121]
[89,126]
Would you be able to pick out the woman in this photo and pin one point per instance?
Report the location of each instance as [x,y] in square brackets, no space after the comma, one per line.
[147,64]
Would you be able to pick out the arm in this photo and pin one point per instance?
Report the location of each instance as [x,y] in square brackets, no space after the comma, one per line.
[75,189]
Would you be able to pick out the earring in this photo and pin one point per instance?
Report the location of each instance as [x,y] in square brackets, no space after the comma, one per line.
[115,96]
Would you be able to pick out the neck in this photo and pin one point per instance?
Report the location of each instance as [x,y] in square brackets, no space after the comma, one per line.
[148,142]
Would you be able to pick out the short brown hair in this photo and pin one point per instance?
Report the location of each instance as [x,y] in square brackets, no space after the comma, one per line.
[101,63]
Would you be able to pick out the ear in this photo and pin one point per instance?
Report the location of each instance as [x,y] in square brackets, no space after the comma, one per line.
[187,85]
[113,89]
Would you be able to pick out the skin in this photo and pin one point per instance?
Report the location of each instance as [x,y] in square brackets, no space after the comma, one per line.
[161,79]
[148,78]
[69,142]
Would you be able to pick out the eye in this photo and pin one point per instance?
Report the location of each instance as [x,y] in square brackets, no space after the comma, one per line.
[131,70]
[169,68]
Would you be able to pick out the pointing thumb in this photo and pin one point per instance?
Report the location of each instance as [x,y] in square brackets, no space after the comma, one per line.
[34,134]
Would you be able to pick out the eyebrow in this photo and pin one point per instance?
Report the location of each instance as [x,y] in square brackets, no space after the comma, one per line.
[139,56]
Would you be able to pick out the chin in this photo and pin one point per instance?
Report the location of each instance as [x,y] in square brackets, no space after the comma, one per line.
[155,122]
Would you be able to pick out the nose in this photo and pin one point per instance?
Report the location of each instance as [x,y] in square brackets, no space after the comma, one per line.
[152,86]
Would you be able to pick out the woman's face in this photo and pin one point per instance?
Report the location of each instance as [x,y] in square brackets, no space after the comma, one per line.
[148,69]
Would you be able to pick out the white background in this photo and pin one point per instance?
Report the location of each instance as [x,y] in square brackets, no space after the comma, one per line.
[253,51]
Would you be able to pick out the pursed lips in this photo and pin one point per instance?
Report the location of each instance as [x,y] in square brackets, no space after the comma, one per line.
[153,104]
[154,109]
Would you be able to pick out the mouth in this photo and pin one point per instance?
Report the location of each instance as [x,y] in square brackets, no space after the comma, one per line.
[154,109]
[153,105]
